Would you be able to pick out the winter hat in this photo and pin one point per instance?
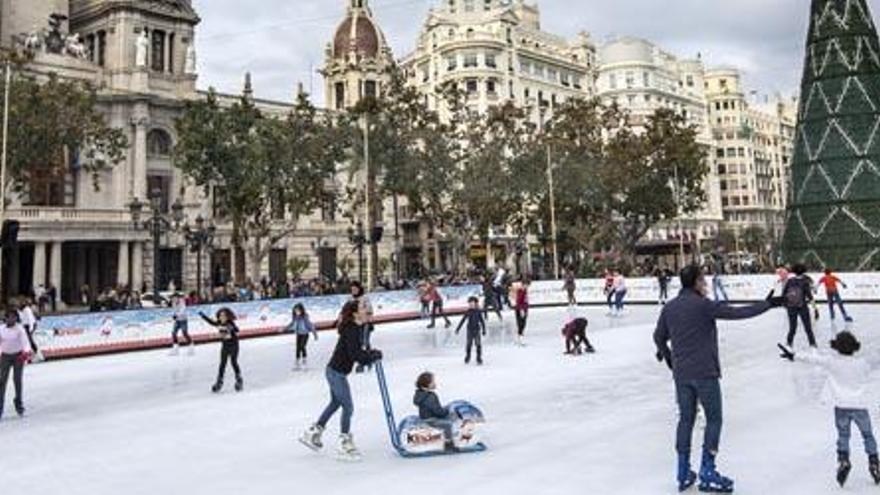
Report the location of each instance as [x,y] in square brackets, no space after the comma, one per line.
[846,343]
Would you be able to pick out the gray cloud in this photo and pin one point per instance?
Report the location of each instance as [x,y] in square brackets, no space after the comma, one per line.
[282,42]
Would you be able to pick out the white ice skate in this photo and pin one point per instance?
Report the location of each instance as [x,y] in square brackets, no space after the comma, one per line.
[38,357]
[311,438]
[347,451]
[192,350]
[174,350]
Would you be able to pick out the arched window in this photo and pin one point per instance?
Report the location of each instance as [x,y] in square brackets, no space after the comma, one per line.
[158,143]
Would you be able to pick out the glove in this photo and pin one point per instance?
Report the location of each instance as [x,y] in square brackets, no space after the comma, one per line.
[816,314]
[659,356]
[786,353]
[776,302]
[484,333]
[375,355]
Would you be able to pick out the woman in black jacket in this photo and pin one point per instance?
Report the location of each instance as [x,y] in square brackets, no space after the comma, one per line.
[225,324]
[348,351]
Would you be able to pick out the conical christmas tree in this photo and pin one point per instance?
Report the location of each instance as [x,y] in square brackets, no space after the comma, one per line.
[833,219]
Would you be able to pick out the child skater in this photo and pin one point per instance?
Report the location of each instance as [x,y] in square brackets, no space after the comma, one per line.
[348,351]
[302,326]
[436,299]
[476,327]
[849,378]
[575,332]
[14,353]
[430,409]
[181,324]
[225,324]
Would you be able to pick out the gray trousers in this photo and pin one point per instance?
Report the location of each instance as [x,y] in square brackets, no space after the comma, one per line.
[7,362]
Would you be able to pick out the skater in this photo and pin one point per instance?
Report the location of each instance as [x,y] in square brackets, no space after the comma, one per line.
[365,318]
[499,284]
[490,300]
[436,299]
[476,327]
[570,287]
[14,354]
[619,287]
[688,322]
[609,290]
[521,293]
[848,379]
[430,410]
[348,351]
[181,324]
[798,294]
[301,326]
[718,290]
[663,279]
[225,323]
[830,281]
[575,333]
[28,320]
[425,310]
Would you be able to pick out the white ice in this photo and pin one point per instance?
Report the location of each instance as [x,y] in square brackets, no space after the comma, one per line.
[146,423]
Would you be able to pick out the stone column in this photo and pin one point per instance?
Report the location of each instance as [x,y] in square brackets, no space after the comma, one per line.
[122,272]
[137,265]
[39,272]
[140,121]
[55,271]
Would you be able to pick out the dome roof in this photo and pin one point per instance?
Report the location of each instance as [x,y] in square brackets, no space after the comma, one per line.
[358,33]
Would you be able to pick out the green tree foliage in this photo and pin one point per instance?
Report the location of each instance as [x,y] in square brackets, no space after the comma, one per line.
[268,172]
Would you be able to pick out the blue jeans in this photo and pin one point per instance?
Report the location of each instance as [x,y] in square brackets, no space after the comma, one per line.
[844,418]
[619,295]
[834,298]
[340,396]
[718,289]
[708,394]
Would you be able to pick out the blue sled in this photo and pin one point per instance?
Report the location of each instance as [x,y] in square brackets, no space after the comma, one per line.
[464,409]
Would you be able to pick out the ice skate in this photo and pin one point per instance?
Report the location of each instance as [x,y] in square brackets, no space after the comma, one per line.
[191,351]
[843,469]
[296,365]
[174,350]
[218,386]
[711,481]
[686,476]
[38,357]
[19,409]
[874,468]
[239,383]
[347,451]
[311,438]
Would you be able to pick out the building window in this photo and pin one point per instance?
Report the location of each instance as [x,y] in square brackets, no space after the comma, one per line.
[160,184]
[157,51]
[171,53]
[630,80]
[719,153]
[158,143]
[328,208]
[218,205]
[451,63]
[490,87]
[490,61]
[471,87]
[470,60]
[689,80]
[340,95]
[370,89]
[102,48]
[50,187]
[722,169]
[612,81]
[646,79]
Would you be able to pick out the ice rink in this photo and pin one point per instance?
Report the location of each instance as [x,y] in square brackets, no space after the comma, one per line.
[146,423]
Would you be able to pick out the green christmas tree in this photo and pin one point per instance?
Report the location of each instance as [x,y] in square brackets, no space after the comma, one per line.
[833,218]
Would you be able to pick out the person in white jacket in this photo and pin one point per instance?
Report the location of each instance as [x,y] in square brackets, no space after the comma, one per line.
[14,352]
[848,381]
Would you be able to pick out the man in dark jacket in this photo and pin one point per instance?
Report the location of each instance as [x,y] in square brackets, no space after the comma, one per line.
[798,294]
[688,322]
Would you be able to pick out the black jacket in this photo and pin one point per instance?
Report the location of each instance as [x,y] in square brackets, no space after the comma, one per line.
[688,322]
[229,331]
[349,349]
[475,322]
[429,405]
[800,283]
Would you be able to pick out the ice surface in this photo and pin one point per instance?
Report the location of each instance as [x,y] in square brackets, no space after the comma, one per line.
[147,424]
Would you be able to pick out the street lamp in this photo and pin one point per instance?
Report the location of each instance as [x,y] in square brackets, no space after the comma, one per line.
[357,238]
[542,111]
[199,238]
[157,224]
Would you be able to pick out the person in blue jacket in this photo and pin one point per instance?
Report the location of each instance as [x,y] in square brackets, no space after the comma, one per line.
[476,328]
[431,411]
[301,326]
[688,323]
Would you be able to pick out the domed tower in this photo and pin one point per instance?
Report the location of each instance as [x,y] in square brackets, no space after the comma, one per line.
[356,60]
[833,218]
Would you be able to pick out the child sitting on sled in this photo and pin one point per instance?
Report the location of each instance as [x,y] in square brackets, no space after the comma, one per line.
[430,410]
[575,333]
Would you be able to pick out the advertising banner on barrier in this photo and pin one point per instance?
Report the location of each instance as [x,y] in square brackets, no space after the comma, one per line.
[94,333]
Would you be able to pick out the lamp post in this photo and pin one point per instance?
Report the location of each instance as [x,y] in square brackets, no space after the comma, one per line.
[358,238]
[157,224]
[199,238]
[542,111]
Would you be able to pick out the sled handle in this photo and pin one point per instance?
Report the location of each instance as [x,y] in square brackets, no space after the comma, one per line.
[386,404]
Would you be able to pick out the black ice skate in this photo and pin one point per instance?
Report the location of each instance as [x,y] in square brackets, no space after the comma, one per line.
[239,383]
[217,386]
[843,470]
[874,468]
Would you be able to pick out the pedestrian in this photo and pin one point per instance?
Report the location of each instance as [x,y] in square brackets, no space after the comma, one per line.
[830,281]
[348,351]
[181,324]
[436,299]
[848,381]
[521,293]
[14,353]
[476,328]
[798,294]
[619,287]
[225,324]
[688,323]
[570,287]
[301,326]
[28,320]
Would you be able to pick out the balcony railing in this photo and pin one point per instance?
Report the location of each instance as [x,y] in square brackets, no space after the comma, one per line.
[55,214]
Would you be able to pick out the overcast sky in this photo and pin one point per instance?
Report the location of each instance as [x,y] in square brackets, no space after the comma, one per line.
[281,42]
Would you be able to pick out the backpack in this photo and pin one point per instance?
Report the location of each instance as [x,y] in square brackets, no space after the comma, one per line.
[794,294]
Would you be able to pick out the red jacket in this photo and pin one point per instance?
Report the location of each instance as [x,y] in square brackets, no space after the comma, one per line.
[522,299]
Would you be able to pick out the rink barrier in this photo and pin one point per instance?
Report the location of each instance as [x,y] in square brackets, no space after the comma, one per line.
[92,334]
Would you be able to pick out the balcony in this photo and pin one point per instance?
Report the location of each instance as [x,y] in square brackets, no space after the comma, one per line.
[49,214]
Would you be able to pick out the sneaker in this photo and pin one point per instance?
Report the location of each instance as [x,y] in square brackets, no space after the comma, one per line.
[347,449]
[311,438]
